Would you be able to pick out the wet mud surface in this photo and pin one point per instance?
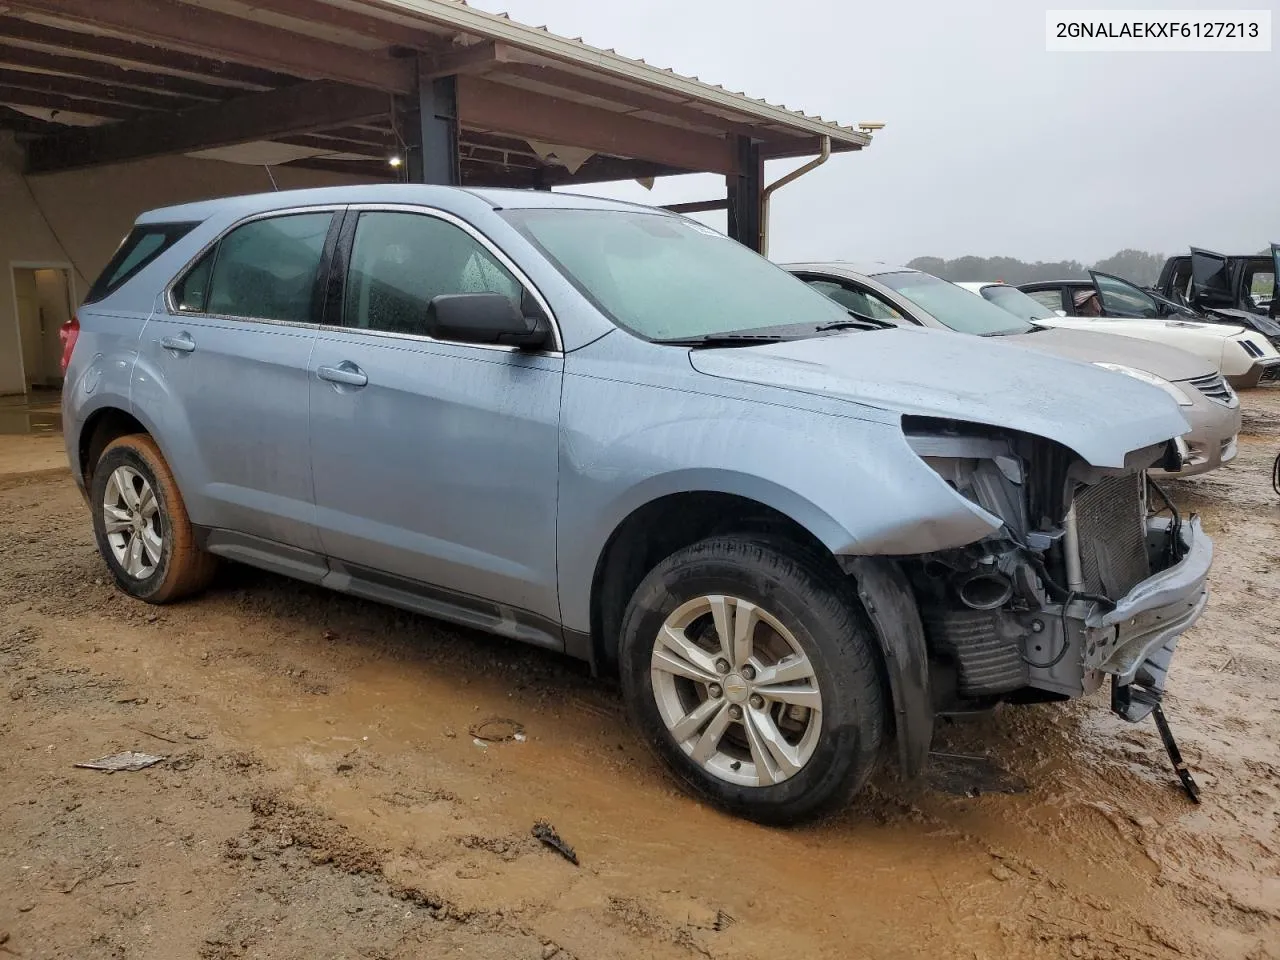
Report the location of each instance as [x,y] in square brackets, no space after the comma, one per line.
[322,794]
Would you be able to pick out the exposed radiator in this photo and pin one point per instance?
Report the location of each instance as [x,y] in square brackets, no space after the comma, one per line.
[1113,536]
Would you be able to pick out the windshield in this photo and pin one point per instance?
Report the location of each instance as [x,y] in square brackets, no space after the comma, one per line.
[1018,303]
[951,306]
[667,278]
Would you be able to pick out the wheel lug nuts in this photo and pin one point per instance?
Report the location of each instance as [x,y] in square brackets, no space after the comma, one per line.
[757,702]
[735,712]
[722,666]
[715,691]
[748,672]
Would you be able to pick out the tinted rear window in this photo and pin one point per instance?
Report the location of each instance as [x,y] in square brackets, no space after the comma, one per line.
[139,248]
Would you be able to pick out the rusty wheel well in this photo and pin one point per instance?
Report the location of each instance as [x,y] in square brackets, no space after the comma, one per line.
[102,427]
[658,529]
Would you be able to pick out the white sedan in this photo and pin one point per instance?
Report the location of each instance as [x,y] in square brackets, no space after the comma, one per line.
[1243,356]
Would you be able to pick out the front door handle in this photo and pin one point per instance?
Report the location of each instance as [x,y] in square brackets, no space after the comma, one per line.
[345,373]
[181,343]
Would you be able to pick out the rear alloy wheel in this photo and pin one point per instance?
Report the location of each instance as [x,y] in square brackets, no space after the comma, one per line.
[141,524]
[132,522]
[749,667]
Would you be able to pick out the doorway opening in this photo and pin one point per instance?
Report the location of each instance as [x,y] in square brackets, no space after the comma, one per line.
[44,301]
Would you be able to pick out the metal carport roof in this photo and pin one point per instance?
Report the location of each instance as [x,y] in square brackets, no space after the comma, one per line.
[466,96]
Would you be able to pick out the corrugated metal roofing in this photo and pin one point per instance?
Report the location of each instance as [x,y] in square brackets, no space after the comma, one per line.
[500,27]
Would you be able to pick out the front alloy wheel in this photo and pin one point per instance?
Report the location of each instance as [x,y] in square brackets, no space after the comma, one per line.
[750,668]
[736,691]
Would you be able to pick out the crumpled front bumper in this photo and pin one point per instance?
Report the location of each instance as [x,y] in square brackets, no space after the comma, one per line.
[1134,642]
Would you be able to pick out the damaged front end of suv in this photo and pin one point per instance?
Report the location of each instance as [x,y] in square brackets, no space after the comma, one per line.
[1093,573]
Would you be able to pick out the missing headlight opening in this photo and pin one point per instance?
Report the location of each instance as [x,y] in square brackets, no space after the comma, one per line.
[1014,616]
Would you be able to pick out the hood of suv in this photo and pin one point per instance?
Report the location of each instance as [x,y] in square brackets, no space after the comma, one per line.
[1094,347]
[1099,414]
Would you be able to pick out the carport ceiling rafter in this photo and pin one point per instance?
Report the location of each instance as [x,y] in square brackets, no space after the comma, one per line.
[135,61]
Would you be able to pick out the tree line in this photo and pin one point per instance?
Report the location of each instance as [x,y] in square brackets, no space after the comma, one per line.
[1133,265]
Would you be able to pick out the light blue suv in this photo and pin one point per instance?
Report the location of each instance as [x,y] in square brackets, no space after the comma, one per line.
[608,430]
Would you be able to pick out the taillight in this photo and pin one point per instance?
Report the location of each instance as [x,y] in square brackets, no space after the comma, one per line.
[68,333]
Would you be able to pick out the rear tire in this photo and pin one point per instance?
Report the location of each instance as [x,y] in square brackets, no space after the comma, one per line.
[785,721]
[141,525]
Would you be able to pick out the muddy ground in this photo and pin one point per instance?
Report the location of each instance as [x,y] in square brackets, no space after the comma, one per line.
[322,795]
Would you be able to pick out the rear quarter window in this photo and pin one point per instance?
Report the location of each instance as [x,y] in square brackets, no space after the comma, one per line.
[140,247]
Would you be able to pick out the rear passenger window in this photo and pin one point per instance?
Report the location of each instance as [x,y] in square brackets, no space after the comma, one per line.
[401,261]
[265,269]
[139,248]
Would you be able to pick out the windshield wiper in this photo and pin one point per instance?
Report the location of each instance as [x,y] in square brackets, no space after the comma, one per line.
[729,340]
[856,321]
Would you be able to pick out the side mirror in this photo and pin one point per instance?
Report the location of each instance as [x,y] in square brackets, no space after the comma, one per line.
[1061,313]
[485,318]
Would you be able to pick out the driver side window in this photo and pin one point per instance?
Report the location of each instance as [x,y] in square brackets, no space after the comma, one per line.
[401,261]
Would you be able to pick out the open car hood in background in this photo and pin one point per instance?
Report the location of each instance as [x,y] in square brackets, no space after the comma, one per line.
[1266,326]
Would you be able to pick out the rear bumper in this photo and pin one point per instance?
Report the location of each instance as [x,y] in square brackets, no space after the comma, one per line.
[1134,642]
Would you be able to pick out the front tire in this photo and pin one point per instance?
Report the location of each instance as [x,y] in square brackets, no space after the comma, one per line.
[141,524]
[750,669]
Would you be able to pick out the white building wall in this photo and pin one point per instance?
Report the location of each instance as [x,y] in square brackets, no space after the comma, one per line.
[79,218]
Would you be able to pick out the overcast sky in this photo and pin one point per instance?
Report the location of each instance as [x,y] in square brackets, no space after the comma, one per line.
[992,145]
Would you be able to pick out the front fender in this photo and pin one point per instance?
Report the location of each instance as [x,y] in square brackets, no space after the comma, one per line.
[854,484]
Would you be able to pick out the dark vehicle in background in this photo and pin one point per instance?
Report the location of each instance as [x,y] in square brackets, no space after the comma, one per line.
[1207,280]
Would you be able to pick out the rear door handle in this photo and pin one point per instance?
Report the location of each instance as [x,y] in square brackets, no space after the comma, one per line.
[346,373]
[182,343]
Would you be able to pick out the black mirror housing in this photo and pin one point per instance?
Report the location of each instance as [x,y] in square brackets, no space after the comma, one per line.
[488,318]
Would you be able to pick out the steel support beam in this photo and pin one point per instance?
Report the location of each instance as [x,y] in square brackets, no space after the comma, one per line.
[438,130]
[745,189]
[258,116]
[698,206]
